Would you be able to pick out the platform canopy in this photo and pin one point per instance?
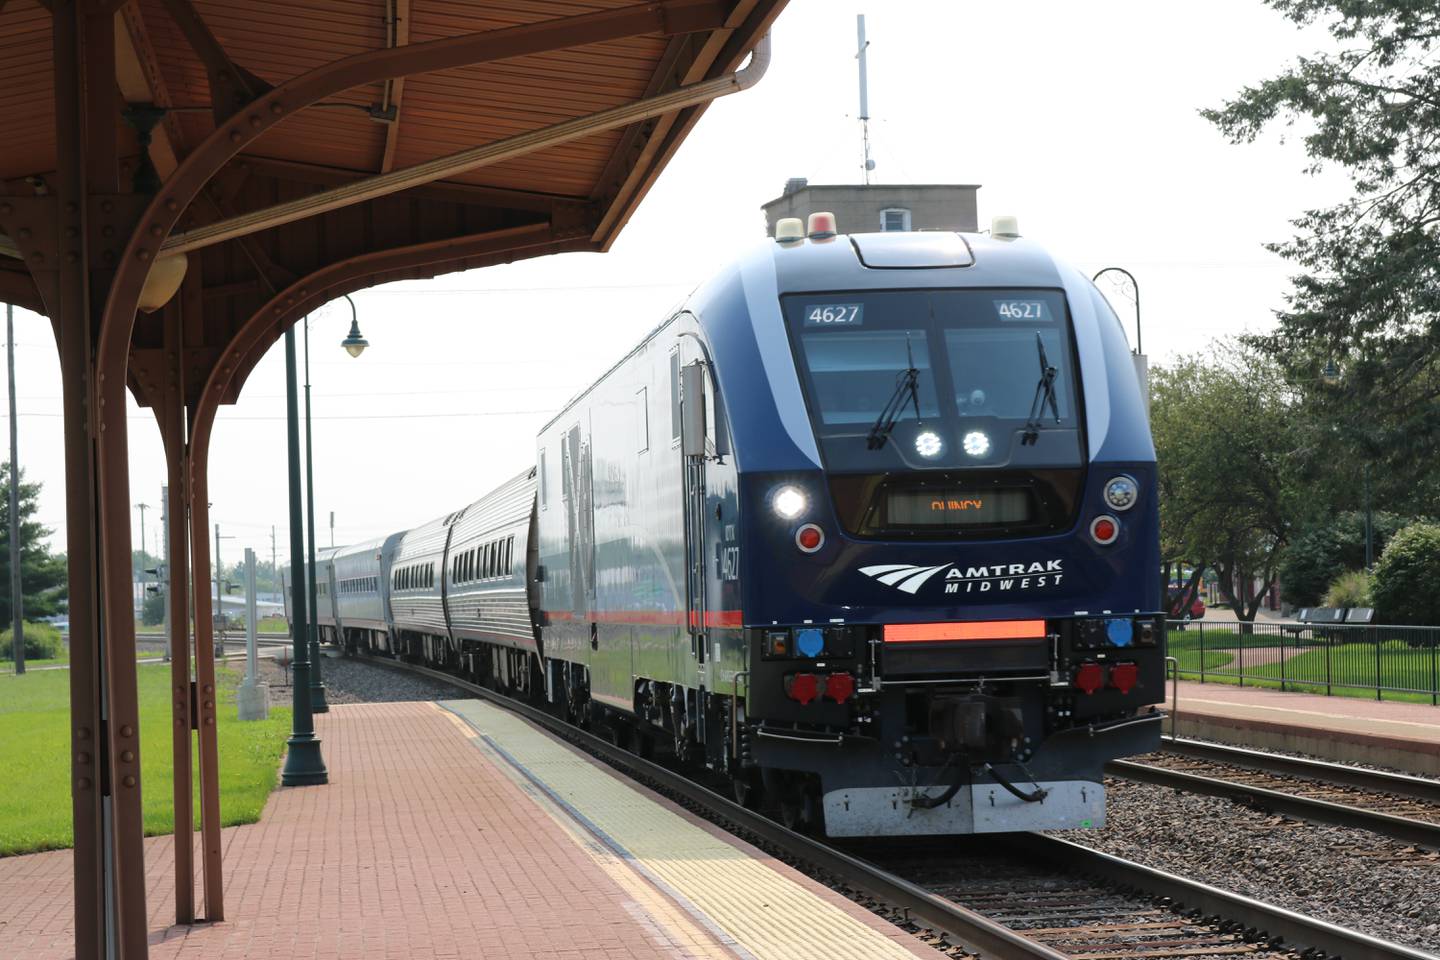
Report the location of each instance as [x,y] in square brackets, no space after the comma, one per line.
[182,180]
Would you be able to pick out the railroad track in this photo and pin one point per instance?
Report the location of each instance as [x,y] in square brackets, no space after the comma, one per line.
[1397,806]
[1094,907]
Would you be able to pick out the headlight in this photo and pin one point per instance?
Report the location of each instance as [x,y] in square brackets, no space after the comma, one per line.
[789,502]
[929,444]
[1121,492]
[977,444]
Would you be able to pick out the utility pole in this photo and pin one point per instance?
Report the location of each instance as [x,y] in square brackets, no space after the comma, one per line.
[274,565]
[868,164]
[332,529]
[144,554]
[219,595]
[17,600]
[165,539]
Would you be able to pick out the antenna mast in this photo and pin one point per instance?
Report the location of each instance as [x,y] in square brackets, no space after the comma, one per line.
[869,164]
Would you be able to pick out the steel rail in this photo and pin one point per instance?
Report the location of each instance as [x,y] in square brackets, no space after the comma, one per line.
[1400,784]
[1298,932]
[1404,829]
[970,930]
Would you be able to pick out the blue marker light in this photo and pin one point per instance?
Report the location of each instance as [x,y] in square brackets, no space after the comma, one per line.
[810,643]
[1120,632]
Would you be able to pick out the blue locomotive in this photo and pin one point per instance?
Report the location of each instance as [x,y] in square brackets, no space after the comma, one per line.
[868,526]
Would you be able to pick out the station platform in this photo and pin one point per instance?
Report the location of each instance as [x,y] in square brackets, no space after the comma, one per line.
[459,830]
[1388,733]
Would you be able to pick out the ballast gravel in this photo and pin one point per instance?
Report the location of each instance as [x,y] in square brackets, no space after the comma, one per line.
[1352,878]
[348,680]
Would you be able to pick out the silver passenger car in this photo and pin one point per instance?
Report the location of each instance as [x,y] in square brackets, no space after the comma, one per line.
[486,596]
[417,599]
[362,592]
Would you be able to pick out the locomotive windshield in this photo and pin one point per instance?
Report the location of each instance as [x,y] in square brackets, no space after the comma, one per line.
[947,377]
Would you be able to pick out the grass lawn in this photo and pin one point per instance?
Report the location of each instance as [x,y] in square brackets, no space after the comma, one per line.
[1349,669]
[35,745]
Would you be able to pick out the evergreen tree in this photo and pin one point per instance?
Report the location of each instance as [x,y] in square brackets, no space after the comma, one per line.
[1367,294]
[43,576]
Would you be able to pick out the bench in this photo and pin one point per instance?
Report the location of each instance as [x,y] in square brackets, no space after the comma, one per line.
[1309,617]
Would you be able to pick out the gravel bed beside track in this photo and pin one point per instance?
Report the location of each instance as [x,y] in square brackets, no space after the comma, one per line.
[348,680]
[1348,877]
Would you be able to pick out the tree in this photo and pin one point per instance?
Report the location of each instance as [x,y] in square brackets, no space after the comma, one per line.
[1328,549]
[1367,297]
[43,576]
[1406,585]
[1227,494]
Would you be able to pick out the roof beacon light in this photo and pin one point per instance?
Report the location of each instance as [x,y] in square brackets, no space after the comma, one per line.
[1005,228]
[789,229]
[822,225]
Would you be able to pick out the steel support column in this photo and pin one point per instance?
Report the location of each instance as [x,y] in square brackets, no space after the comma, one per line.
[198,491]
[110,918]
[170,412]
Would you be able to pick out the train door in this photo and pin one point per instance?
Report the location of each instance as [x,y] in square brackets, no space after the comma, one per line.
[578,496]
[694,450]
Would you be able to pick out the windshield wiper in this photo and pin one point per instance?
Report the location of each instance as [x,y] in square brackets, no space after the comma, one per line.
[1044,396]
[907,387]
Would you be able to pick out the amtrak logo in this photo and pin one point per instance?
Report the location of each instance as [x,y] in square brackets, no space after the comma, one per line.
[997,577]
[903,576]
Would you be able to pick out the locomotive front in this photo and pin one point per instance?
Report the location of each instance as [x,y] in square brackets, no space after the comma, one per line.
[950,552]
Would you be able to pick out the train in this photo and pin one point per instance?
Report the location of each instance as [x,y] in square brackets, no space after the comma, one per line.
[867,528]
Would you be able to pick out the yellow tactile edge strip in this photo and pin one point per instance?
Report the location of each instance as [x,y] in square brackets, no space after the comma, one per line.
[768,916]
[667,925]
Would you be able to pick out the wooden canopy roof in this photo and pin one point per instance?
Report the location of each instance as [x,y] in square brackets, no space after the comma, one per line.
[188,67]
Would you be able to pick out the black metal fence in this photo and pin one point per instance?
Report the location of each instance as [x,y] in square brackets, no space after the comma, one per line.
[1387,662]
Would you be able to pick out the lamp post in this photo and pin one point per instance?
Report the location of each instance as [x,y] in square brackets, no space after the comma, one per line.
[1332,376]
[355,345]
[303,762]
[1134,286]
[317,683]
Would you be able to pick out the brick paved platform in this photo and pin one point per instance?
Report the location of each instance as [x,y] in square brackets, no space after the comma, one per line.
[445,836]
[1345,729]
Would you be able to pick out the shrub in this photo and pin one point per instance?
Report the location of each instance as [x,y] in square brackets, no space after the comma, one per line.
[42,642]
[1350,589]
[1323,553]
[1406,584]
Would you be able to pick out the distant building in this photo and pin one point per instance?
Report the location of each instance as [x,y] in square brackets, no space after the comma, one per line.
[866,208]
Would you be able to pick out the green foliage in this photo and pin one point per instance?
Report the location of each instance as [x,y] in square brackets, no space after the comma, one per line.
[152,611]
[1367,292]
[1227,494]
[1329,548]
[42,642]
[35,742]
[42,574]
[1406,585]
[1350,589]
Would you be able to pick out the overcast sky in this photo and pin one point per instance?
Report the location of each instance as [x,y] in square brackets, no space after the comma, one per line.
[1080,119]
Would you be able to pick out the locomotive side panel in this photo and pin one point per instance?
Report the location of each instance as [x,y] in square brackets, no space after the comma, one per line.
[611,546]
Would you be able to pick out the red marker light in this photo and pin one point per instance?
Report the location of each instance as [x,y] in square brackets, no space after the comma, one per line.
[802,687]
[1124,676]
[1104,530]
[1090,677]
[821,225]
[809,538]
